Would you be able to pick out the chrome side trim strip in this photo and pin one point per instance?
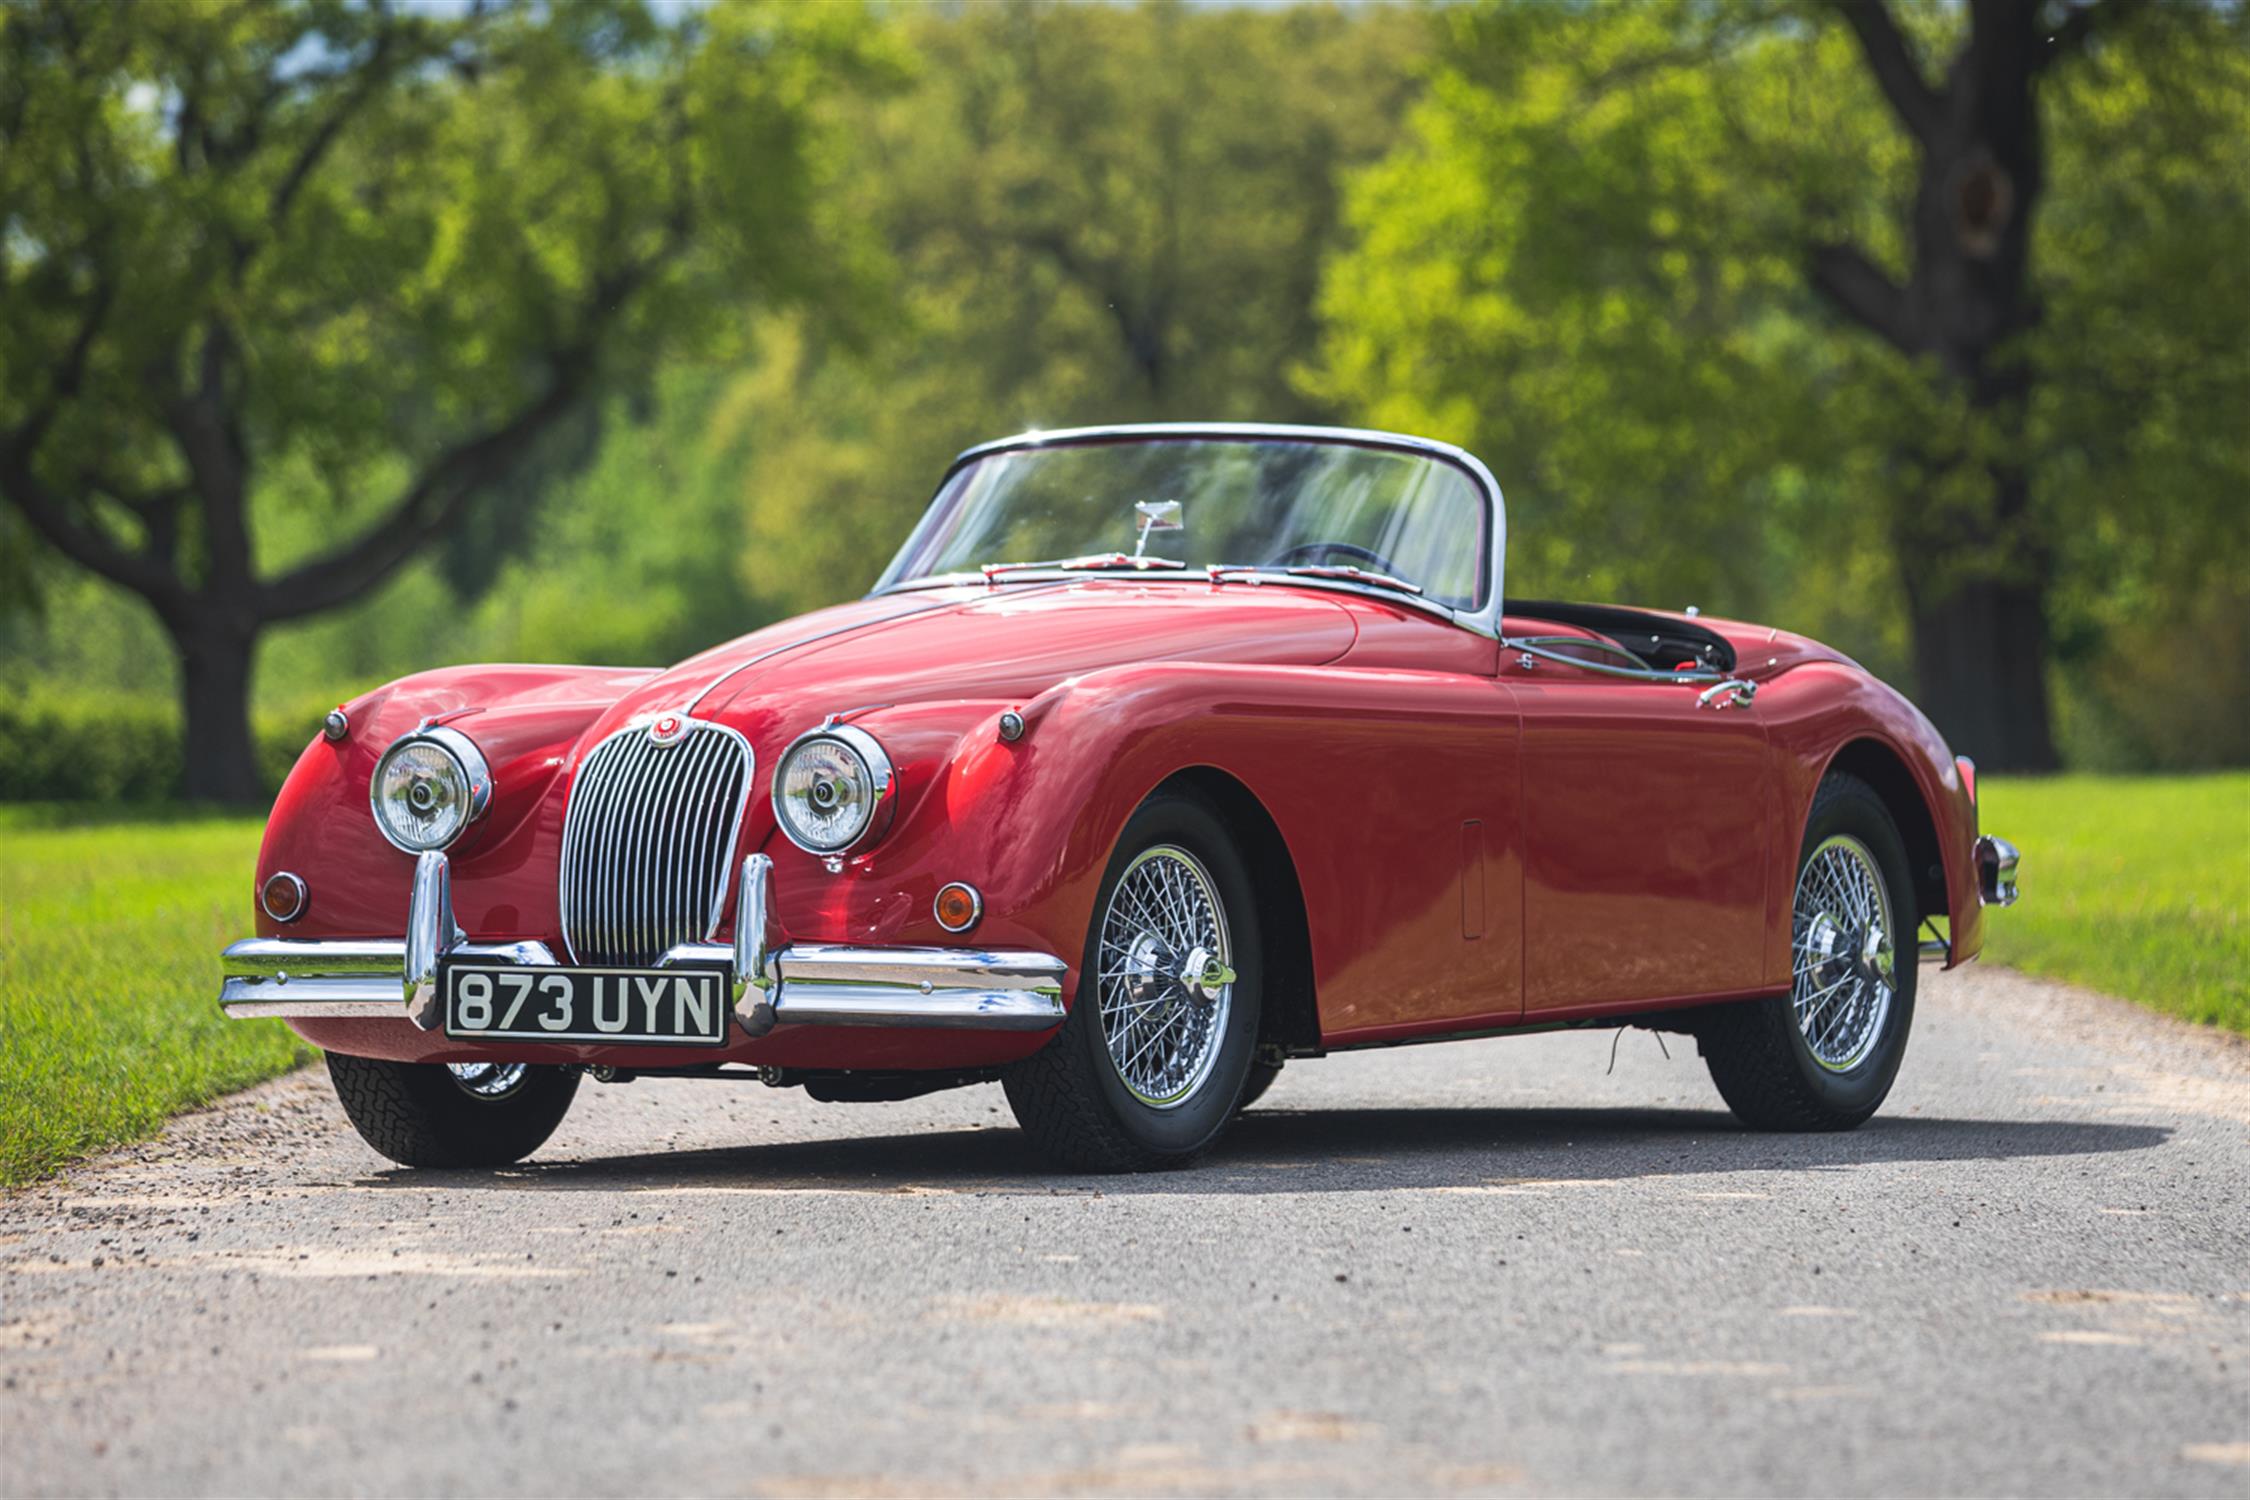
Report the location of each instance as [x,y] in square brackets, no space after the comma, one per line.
[1529,647]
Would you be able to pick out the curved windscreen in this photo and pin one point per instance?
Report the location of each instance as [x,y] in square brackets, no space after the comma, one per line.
[1202,501]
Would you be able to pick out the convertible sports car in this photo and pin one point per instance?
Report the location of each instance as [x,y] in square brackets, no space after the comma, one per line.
[1158,756]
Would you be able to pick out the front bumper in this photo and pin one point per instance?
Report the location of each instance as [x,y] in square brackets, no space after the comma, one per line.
[803,984]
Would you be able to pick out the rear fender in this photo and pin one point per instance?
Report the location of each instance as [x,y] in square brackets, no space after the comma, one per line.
[1827,716]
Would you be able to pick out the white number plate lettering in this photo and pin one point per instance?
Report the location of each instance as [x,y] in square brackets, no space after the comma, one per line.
[671,1007]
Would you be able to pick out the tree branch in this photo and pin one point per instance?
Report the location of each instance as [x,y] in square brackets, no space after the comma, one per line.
[1918,106]
[430,506]
[86,545]
[1857,286]
[28,433]
[377,71]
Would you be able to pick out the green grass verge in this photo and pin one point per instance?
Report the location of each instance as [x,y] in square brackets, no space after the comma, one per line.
[2139,886]
[110,934]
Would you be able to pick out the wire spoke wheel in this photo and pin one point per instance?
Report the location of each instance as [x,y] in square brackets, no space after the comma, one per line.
[1844,949]
[483,1080]
[1166,976]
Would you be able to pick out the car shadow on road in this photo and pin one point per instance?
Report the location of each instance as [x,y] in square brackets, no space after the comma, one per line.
[1329,1150]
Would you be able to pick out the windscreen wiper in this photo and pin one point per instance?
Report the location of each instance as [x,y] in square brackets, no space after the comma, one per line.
[1221,572]
[1097,562]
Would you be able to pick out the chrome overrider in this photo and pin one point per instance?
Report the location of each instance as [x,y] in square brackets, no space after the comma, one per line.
[1996,871]
[799,984]
[1996,861]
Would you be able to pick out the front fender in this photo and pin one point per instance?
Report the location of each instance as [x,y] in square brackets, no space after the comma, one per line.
[1032,823]
[523,719]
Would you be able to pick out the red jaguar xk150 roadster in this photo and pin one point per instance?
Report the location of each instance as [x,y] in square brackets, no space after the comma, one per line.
[1158,756]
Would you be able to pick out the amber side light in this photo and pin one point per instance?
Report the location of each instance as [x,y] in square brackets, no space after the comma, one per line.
[957,907]
[283,896]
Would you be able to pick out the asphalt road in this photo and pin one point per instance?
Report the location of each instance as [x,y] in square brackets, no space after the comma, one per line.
[1479,1267]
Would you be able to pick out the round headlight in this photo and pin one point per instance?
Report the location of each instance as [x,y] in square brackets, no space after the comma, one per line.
[832,790]
[428,787]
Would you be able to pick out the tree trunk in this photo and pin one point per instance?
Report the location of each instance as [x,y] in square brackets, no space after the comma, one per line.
[219,754]
[1980,662]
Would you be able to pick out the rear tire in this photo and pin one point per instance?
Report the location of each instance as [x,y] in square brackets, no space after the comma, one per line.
[1262,1076]
[423,1115]
[1831,1069]
[1072,1097]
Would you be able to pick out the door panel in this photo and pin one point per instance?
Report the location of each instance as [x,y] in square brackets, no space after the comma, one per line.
[1644,840]
[1400,808]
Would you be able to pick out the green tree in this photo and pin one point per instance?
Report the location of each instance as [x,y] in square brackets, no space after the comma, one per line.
[1757,303]
[393,255]
[1098,213]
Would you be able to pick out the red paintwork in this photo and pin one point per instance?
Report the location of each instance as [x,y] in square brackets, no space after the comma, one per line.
[1479,845]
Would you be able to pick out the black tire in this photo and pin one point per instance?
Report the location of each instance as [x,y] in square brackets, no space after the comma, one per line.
[1758,1054]
[1262,1075]
[420,1114]
[1068,1096]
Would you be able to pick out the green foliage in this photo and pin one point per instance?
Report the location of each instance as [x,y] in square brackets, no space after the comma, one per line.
[1581,257]
[109,748]
[2138,886]
[1588,261]
[1099,214]
[289,291]
[413,225]
[109,1022]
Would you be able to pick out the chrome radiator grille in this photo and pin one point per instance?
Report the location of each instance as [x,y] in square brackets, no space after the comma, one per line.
[647,837]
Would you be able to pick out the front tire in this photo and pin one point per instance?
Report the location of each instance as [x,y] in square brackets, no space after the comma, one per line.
[431,1115]
[1823,1056]
[1262,1076]
[1149,1067]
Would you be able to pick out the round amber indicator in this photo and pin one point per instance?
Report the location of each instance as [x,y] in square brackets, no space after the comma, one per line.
[958,906]
[283,896]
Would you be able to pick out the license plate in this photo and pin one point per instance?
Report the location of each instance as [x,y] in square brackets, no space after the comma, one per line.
[674,1007]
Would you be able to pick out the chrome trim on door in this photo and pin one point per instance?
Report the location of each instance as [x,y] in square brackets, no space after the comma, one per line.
[1735,692]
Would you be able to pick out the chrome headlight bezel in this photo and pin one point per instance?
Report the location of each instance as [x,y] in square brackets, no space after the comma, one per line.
[879,797]
[470,775]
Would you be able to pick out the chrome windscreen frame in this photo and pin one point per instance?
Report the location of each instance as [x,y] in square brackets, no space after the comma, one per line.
[1484,621]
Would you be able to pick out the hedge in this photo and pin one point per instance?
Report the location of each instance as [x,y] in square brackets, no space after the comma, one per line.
[90,747]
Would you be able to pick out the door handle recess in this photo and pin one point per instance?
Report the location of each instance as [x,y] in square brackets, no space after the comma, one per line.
[1732,693]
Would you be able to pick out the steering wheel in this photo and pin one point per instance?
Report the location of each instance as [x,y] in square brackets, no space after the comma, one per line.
[1311,552]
